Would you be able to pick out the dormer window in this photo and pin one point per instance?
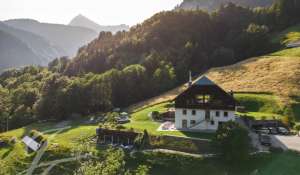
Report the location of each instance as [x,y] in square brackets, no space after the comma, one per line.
[203,98]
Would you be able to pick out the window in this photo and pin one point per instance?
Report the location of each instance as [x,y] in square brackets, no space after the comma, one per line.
[217,113]
[193,112]
[225,114]
[193,122]
[203,98]
[212,122]
[184,112]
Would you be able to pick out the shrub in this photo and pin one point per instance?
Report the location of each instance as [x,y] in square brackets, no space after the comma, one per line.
[155,115]
[297,128]
[37,136]
[232,142]
[4,141]
[142,141]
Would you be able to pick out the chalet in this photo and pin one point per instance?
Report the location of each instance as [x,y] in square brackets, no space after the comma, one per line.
[203,106]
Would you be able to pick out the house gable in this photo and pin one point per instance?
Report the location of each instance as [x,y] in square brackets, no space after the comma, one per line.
[205,94]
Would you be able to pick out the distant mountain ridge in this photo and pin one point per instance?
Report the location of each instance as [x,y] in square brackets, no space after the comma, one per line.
[211,5]
[69,38]
[82,21]
[15,53]
[39,43]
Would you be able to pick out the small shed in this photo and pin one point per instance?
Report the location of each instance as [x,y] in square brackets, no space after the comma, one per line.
[108,136]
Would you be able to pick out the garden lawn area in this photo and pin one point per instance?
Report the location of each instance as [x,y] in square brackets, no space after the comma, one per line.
[66,141]
[67,137]
[260,105]
[140,121]
[286,163]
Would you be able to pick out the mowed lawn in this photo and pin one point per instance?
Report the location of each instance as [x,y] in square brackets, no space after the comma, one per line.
[260,105]
[72,139]
[68,137]
[140,120]
[286,163]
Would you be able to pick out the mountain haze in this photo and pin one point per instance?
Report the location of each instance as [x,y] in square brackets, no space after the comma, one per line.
[15,53]
[83,21]
[39,45]
[68,38]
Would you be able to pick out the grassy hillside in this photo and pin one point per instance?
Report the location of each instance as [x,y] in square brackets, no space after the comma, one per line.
[289,35]
[273,74]
[285,37]
[265,81]
[292,52]
[260,105]
[278,75]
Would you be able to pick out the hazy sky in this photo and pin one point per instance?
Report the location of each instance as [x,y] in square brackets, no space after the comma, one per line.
[101,11]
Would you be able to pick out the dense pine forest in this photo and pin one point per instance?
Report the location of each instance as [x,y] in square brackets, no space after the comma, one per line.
[127,67]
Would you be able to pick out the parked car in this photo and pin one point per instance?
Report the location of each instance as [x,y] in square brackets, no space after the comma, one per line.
[273,130]
[265,139]
[263,131]
[123,120]
[283,131]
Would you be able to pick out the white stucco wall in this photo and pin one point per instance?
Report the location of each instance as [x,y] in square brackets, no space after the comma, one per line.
[200,116]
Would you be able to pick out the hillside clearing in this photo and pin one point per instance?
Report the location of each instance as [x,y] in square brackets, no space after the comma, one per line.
[292,52]
[289,35]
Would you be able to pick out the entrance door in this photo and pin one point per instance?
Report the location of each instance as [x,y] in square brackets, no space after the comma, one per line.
[184,123]
[207,115]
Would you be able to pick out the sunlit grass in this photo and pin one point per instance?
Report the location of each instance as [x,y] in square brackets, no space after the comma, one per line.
[292,52]
[140,121]
[289,35]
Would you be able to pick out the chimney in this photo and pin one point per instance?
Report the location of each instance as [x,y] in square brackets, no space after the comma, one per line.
[190,79]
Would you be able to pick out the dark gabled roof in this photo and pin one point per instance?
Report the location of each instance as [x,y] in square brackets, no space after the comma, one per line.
[205,86]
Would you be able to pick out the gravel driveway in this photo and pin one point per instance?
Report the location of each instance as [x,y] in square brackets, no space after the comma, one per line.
[286,142]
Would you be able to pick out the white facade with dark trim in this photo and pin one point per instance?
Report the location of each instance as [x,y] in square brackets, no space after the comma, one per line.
[203,106]
[194,119]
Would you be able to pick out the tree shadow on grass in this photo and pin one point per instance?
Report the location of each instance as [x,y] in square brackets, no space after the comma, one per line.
[7,152]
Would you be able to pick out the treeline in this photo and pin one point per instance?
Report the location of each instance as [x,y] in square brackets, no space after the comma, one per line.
[121,69]
[189,40]
[35,93]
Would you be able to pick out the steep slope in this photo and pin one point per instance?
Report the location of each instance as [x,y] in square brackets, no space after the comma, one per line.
[287,38]
[279,75]
[211,5]
[69,38]
[39,45]
[289,35]
[14,52]
[275,75]
[82,21]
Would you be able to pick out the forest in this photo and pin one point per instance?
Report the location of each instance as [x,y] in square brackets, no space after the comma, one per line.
[117,70]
